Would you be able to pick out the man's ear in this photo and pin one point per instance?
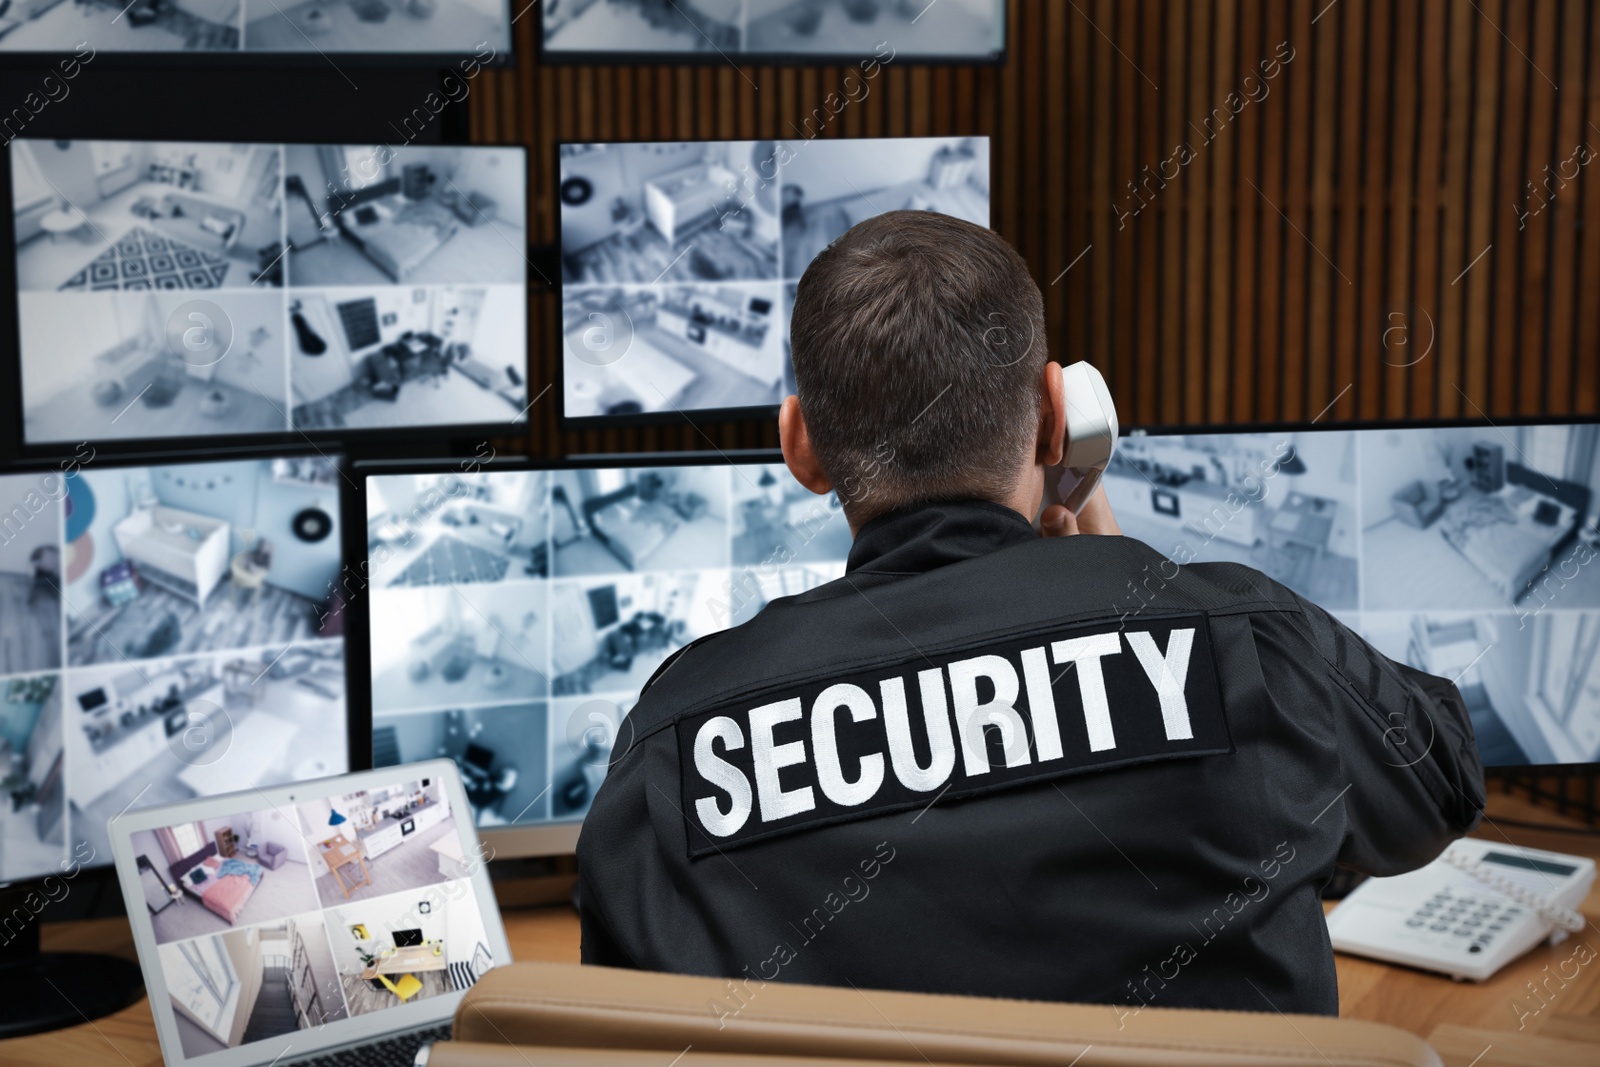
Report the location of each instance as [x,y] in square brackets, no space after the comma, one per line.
[798,455]
[1052,448]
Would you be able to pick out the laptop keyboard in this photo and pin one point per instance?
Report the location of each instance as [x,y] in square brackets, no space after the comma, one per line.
[390,1052]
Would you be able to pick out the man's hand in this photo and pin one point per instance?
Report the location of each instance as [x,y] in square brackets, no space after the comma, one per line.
[1096,518]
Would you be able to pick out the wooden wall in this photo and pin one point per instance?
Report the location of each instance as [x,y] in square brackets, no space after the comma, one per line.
[1348,235]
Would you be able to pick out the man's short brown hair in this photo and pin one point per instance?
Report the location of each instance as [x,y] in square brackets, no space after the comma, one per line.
[919,346]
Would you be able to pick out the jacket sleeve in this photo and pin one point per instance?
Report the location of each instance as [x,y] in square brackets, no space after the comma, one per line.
[599,948]
[1406,751]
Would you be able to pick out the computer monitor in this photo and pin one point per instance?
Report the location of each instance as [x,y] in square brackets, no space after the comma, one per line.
[440,32]
[775,31]
[407,938]
[171,294]
[679,260]
[171,630]
[1467,551]
[513,612]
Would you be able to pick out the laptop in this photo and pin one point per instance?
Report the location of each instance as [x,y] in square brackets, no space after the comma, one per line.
[337,921]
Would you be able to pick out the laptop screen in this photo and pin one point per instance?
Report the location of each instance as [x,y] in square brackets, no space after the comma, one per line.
[299,916]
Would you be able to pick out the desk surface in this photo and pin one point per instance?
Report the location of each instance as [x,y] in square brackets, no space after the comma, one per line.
[407,960]
[340,854]
[1469,1023]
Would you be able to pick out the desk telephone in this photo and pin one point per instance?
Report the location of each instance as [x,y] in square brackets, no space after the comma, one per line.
[1470,912]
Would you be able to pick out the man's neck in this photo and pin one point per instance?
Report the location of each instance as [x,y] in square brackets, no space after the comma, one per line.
[1017,502]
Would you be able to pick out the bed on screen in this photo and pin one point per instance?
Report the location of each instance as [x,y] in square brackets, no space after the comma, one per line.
[1512,534]
[222,885]
[396,234]
[630,526]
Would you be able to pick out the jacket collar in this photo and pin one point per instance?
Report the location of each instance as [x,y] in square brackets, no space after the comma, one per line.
[925,536]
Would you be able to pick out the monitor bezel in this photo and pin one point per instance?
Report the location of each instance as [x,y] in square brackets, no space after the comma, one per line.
[552,838]
[352,713]
[672,416]
[642,58]
[264,60]
[1316,425]
[15,446]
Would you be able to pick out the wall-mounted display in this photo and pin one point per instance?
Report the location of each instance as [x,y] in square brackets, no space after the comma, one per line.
[679,259]
[183,291]
[775,31]
[475,30]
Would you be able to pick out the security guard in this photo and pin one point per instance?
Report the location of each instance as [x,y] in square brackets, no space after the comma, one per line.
[991,762]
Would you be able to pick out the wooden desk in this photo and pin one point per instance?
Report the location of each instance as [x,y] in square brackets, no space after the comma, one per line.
[1469,1023]
[1466,1020]
[338,852]
[411,960]
[1303,520]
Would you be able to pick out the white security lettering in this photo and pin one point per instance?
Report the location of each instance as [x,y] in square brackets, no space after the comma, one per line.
[769,759]
[936,715]
[722,774]
[1087,652]
[1168,674]
[1041,703]
[1001,711]
[836,753]
[825,745]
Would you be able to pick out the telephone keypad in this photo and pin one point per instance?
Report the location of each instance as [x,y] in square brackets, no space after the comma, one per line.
[1469,916]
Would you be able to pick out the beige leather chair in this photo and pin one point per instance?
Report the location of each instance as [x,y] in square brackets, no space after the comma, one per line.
[561,1015]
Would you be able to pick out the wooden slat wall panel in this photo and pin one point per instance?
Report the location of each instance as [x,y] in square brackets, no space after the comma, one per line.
[1535,280]
[1368,205]
[1266,304]
[1586,352]
[1325,235]
[1153,136]
[1501,279]
[1415,355]
[1290,227]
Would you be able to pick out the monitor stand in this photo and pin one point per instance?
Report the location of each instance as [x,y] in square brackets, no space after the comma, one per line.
[52,990]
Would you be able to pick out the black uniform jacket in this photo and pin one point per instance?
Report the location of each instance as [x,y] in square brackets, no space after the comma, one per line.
[989,763]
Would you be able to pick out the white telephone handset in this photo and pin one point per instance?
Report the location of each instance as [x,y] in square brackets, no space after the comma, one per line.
[1468,913]
[1091,439]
